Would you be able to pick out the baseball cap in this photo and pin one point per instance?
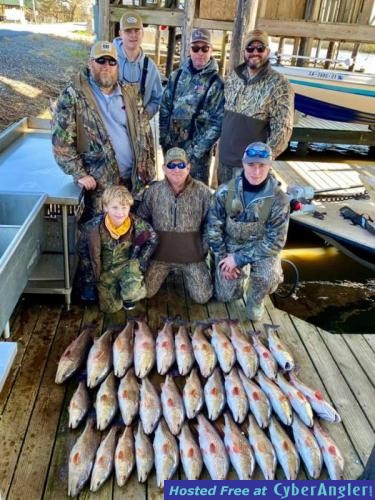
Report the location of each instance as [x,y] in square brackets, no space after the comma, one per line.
[256,36]
[257,152]
[131,20]
[102,49]
[201,35]
[176,154]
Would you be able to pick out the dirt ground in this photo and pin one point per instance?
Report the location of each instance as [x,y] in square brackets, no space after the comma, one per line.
[34,68]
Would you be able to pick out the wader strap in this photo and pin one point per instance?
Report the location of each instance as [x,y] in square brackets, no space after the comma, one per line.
[142,86]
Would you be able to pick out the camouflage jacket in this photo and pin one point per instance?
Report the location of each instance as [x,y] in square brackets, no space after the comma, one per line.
[268,97]
[244,234]
[176,114]
[90,244]
[80,141]
[183,213]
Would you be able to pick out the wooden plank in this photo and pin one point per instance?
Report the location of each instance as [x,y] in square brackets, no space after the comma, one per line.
[364,355]
[350,368]
[342,397]
[321,31]
[15,418]
[314,378]
[370,340]
[22,330]
[57,480]
[33,463]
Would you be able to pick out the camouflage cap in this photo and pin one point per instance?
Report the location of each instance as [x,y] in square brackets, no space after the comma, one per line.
[176,154]
[102,49]
[256,36]
[201,35]
[257,152]
[131,20]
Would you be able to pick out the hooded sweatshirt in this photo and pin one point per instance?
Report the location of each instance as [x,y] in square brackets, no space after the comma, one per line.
[130,72]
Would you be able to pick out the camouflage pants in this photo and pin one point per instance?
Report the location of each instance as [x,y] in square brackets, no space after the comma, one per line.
[125,282]
[225,173]
[256,281]
[197,278]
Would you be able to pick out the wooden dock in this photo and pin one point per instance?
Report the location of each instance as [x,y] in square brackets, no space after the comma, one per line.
[33,410]
[353,240]
[310,129]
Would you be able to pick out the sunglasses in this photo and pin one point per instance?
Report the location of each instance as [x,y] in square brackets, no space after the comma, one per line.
[260,49]
[103,60]
[180,165]
[259,153]
[204,48]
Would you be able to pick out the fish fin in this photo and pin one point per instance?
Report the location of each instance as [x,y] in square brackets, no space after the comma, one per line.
[268,327]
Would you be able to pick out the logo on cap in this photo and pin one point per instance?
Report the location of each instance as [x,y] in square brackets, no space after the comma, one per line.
[106,46]
[131,20]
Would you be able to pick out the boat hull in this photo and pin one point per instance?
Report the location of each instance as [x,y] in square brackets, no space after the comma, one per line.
[332,95]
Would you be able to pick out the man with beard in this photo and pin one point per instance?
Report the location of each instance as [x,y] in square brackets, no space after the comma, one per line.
[192,106]
[97,131]
[259,106]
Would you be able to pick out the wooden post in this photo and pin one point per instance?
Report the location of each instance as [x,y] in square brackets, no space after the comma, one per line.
[187,28]
[244,21]
[330,54]
[223,56]
[170,51]
[103,19]
[306,44]
[354,56]
[157,40]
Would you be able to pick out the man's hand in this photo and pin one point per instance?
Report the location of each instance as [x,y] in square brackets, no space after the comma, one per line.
[229,268]
[88,182]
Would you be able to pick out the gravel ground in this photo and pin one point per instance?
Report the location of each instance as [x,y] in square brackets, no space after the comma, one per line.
[35,66]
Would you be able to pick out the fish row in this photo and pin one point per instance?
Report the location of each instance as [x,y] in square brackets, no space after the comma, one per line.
[89,456]
[242,395]
[138,346]
[209,345]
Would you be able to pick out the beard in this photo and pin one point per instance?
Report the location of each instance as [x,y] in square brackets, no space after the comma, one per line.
[255,64]
[104,80]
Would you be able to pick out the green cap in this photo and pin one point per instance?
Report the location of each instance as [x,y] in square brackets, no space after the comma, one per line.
[176,154]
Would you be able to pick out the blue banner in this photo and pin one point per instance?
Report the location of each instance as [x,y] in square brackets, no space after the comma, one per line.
[272,490]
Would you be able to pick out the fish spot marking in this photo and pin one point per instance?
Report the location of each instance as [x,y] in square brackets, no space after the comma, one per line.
[256,395]
[76,458]
[212,448]
[236,391]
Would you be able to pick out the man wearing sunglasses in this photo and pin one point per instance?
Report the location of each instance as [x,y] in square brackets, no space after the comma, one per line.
[192,106]
[97,134]
[247,228]
[176,207]
[259,106]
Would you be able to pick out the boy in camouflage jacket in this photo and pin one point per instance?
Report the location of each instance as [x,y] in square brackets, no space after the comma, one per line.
[114,249]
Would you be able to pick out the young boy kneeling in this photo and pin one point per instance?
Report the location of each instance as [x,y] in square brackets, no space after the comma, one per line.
[114,249]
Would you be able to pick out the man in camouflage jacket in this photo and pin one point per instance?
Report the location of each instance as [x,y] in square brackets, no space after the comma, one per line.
[192,106]
[247,228]
[99,132]
[176,207]
[259,106]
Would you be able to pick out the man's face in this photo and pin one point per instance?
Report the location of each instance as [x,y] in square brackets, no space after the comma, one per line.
[132,38]
[104,71]
[117,211]
[200,53]
[256,172]
[176,175]
[256,55]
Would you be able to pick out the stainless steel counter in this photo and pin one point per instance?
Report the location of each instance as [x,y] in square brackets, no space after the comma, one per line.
[27,166]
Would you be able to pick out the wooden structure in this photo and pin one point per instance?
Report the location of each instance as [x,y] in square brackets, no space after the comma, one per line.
[302,20]
[33,410]
[338,180]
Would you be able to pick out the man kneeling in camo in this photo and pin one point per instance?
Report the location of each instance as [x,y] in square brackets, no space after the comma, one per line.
[247,228]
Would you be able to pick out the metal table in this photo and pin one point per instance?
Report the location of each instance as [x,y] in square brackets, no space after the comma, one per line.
[27,165]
